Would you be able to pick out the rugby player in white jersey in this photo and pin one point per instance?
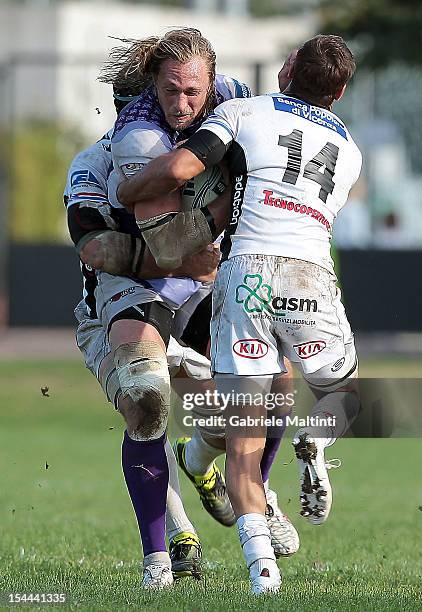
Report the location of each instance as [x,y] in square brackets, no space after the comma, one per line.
[292,164]
[133,306]
[91,215]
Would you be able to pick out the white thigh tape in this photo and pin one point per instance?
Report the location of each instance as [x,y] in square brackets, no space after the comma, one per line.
[121,255]
[187,233]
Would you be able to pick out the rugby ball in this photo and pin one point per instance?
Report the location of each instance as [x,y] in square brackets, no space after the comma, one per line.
[203,189]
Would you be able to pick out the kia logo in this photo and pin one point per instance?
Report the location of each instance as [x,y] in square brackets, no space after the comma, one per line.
[309,349]
[251,348]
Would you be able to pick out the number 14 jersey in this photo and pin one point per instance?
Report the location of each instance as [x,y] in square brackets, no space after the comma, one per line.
[292,166]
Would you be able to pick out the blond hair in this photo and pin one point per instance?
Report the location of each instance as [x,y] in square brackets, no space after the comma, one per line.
[134,66]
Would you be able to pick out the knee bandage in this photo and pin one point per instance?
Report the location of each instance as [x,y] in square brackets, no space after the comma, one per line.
[144,377]
[142,367]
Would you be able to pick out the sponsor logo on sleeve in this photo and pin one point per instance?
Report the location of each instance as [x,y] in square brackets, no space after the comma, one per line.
[309,349]
[84,177]
[131,169]
[250,348]
[118,296]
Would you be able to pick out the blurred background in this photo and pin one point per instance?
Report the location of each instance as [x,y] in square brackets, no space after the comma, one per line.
[52,106]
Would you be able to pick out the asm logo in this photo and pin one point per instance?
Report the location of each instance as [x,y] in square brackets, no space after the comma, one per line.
[81,177]
[251,348]
[309,349]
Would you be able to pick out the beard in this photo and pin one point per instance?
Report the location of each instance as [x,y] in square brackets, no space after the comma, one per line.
[181,120]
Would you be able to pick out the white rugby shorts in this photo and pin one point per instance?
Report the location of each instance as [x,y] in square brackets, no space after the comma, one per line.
[267,308]
[114,294]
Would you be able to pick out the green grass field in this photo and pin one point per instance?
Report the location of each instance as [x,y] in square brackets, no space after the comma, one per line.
[69,527]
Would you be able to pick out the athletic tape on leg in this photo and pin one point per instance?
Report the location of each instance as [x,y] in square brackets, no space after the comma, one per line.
[343,406]
[255,538]
[184,235]
[142,368]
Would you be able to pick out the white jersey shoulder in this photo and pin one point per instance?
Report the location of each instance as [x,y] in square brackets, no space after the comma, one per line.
[225,118]
[88,174]
[229,88]
[295,164]
[137,144]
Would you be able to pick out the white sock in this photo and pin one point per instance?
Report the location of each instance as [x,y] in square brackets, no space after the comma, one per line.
[199,455]
[157,558]
[176,519]
[255,538]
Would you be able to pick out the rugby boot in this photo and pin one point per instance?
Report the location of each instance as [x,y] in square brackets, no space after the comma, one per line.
[284,537]
[186,555]
[211,487]
[265,577]
[316,494]
[157,576]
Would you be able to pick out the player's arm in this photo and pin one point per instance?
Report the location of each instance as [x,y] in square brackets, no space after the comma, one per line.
[172,238]
[122,254]
[197,227]
[98,243]
[161,176]
[188,232]
[166,173]
[95,233]
[162,228]
[133,152]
